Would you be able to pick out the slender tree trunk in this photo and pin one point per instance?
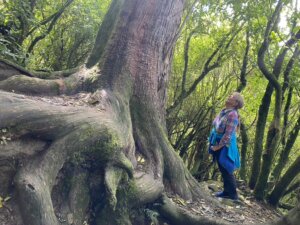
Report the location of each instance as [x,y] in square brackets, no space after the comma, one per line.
[244,136]
[284,182]
[259,135]
[286,151]
[286,115]
[293,187]
[274,131]
[242,85]
[243,80]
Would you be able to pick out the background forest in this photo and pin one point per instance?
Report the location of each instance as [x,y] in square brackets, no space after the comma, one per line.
[222,46]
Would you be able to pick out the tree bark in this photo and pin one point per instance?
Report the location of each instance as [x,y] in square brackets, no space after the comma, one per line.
[284,182]
[240,88]
[107,153]
[121,122]
[245,140]
[259,135]
[274,130]
[286,150]
[243,80]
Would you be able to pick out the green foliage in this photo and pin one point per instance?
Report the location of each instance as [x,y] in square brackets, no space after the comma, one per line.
[63,42]
[189,124]
[14,54]
[72,38]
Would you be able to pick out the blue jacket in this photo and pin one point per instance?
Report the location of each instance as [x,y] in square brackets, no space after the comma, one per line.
[229,157]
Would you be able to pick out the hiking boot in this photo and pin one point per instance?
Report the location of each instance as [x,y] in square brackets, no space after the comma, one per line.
[234,198]
[222,194]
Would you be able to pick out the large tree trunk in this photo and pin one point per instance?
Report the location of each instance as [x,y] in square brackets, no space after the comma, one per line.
[99,156]
[121,122]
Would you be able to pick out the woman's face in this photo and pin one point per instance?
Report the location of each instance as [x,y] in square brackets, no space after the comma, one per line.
[231,102]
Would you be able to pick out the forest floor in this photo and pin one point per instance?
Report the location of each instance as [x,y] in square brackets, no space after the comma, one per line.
[246,210]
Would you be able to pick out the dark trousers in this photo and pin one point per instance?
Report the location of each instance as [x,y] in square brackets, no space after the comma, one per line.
[228,179]
[229,182]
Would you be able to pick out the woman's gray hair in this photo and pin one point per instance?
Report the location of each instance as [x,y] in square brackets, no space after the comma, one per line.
[239,99]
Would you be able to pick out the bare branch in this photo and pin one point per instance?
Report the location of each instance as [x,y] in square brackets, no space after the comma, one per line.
[53,20]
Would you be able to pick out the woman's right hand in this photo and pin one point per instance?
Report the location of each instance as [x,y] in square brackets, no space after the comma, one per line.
[216,148]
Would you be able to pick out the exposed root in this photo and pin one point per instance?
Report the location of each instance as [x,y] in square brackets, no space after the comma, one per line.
[81,135]
[14,78]
[113,177]
[79,197]
[8,68]
[35,201]
[292,218]
[124,163]
[32,85]
[177,216]
[147,189]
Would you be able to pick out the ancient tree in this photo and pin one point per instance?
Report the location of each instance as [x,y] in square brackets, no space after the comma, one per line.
[106,155]
[123,120]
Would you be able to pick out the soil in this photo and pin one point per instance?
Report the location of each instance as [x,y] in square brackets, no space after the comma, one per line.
[246,210]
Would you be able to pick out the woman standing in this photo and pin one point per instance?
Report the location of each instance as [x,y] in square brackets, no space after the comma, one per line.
[223,144]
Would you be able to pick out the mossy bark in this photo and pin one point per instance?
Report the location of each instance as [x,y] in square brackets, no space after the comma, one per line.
[72,134]
[126,109]
[259,135]
[271,144]
[284,155]
[112,154]
[245,140]
[292,218]
[274,132]
[284,182]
